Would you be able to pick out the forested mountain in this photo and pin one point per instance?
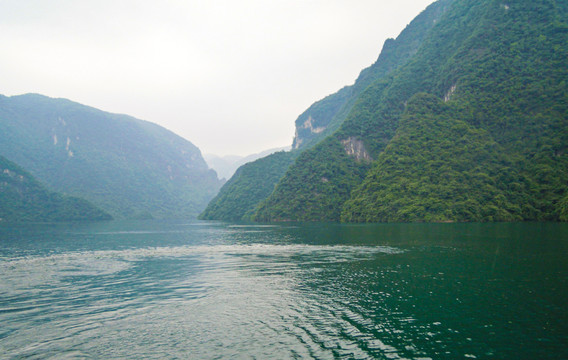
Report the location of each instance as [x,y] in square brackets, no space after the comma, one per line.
[319,120]
[473,127]
[23,198]
[125,166]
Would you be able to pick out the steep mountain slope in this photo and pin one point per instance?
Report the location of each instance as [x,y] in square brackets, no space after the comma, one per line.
[128,167]
[321,119]
[22,198]
[498,145]
[326,115]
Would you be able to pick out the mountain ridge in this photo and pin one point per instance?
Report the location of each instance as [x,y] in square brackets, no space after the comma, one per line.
[326,115]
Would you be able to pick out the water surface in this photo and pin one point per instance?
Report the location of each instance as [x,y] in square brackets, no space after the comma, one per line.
[206,290]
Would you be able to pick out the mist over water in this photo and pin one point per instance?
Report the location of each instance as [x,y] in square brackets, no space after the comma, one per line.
[205,290]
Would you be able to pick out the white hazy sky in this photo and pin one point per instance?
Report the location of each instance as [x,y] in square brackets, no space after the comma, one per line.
[231,76]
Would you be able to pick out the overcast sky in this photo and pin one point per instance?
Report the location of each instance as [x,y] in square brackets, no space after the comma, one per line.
[231,76]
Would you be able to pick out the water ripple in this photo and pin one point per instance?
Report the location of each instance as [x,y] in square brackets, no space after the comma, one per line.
[166,297]
[221,291]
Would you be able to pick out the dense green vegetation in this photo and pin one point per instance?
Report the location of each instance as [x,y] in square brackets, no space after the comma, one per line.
[125,166]
[252,183]
[473,128]
[439,168]
[317,182]
[23,198]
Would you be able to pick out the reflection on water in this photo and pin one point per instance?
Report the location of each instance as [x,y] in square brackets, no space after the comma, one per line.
[205,290]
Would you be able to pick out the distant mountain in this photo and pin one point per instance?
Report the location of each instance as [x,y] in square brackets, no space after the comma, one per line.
[464,119]
[252,183]
[225,166]
[23,198]
[127,167]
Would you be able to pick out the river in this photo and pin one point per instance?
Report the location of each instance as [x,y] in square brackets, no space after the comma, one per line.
[214,290]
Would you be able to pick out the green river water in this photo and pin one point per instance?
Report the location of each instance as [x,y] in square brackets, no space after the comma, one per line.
[210,290]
